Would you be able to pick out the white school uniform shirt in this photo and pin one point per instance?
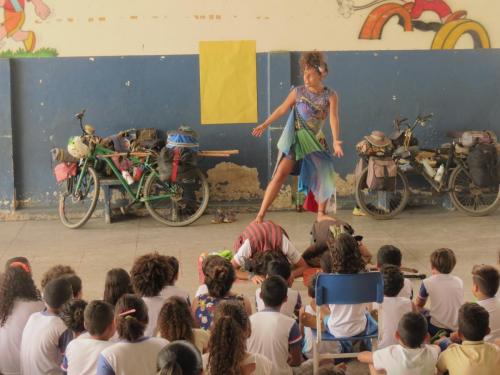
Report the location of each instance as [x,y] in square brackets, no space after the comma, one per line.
[324,346]
[287,247]
[11,333]
[446,294]
[174,291]
[347,320]
[407,290]
[40,345]
[292,303]
[263,366]
[390,313]
[131,358]
[154,305]
[398,360]
[492,305]
[82,354]
[272,334]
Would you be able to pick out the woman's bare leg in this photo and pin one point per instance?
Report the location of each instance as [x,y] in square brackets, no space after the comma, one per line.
[321,212]
[285,167]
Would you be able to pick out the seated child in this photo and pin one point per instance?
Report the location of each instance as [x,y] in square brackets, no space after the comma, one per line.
[311,309]
[149,276]
[179,357]
[261,238]
[473,356]
[389,254]
[282,347]
[393,307]
[485,287]
[41,341]
[347,320]
[81,355]
[72,316]
[321,233]
[117,284]
[411,356]
[445,292]
[171,290]
[293,303]
[219,278]
[176,322]
[135,353]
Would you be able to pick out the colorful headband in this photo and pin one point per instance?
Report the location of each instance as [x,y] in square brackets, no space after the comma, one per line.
[128,312]
[20,265]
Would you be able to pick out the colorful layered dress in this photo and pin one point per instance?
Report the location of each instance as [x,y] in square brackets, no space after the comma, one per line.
[303,141]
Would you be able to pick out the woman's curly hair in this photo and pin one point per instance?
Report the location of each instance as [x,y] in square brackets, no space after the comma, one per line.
[219,278]
[175,321]
[227,345]
[150,273]
[345,254]
[15,283]
[315,60]
[72,315]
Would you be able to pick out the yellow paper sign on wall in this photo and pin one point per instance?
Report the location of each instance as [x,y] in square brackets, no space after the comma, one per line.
[228,82]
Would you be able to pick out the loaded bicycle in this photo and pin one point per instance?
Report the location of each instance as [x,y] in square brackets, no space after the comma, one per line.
[446,169]
[172,201]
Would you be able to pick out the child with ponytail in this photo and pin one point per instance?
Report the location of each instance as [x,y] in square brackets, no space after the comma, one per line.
[134,353]
[227,347]
[180,358]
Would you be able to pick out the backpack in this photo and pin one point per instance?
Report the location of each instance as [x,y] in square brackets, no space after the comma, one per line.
[147,139]
[484,165]
[178,159]
[382,174]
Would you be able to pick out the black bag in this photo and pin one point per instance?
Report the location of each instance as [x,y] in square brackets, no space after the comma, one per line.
[483,165]
[177,164]
[382,174]
[147,139]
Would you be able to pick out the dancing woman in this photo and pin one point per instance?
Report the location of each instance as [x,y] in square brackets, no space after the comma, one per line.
[302,145]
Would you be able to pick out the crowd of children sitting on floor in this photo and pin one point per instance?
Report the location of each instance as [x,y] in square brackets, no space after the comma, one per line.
[146,324]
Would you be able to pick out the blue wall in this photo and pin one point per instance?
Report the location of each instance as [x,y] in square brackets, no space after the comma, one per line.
[7,191]
[461,87]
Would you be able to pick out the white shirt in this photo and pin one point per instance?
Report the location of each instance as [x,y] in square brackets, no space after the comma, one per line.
[131,358]
[390,313]
[407,290]
[287,247]
[492,305]
[173,291]
[82,354]
[347,320]
[292,303]
[446,294]
[272,334]
[40,352]
[398,360]
[11,333]
[202,289]
[324,346]
[263,366]
[154,305]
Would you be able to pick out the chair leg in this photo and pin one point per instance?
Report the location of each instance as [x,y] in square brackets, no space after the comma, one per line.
[315,358]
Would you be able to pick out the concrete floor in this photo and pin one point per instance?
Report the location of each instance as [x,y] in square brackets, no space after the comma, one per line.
[95,248]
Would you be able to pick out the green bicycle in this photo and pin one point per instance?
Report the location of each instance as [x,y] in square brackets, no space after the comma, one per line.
[173,204]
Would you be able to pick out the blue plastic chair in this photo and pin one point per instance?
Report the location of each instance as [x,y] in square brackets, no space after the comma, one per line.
[340,289]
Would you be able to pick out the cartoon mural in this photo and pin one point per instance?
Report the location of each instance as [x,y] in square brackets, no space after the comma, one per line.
[452,26]
[14,18]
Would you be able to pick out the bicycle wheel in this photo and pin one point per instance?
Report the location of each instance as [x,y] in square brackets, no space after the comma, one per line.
[77,205]
[470,198]
[176,204]
[382,205]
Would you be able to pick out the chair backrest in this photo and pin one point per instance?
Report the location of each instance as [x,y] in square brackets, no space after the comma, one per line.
[349,289]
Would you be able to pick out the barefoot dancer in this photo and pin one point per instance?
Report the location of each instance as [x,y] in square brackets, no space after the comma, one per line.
[302,145]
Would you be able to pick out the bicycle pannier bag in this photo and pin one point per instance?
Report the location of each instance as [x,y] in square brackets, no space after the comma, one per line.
[178,160]
[375,144]
[483,165]
[382,174]
[473,137]
[63,171]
